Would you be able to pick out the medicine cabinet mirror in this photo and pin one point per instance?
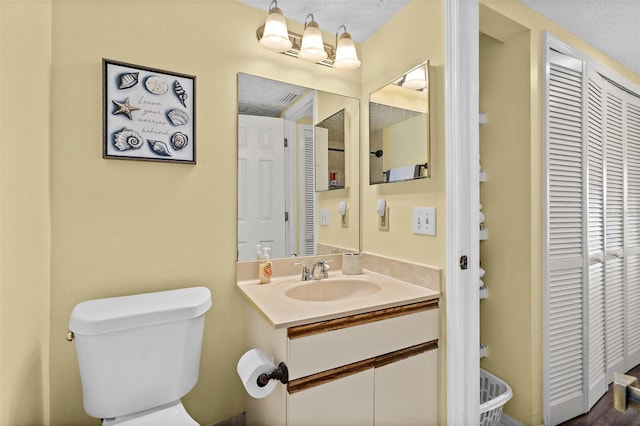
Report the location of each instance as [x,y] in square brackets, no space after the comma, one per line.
[399,128]
[296,150]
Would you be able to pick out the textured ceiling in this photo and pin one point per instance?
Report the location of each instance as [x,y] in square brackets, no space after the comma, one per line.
[611,26]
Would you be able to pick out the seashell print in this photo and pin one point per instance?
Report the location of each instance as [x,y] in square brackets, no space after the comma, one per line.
[177,117]
[128,79]
[127,139]
[180,93]
[179,140]
[156,85]
[159,148]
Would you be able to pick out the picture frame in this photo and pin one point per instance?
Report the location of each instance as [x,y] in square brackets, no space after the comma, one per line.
[148,113]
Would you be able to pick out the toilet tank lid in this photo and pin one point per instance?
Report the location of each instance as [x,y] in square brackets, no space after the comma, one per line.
[118,313]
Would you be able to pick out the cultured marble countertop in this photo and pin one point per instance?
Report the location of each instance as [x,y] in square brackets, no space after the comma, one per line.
[283,311]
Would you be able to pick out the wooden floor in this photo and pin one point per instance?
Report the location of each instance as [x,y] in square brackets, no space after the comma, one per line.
[603,413]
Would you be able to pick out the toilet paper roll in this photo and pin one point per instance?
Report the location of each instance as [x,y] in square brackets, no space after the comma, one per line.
[251,365]
[351,263]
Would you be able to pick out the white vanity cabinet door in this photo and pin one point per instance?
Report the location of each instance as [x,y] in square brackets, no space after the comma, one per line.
[406,391]
[345,401]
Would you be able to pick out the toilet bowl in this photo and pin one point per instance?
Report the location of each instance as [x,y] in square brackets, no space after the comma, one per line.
[139,355]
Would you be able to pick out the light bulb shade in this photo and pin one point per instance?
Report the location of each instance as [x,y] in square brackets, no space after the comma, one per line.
[312,46]
[416,79]
[275,36]
[346,55]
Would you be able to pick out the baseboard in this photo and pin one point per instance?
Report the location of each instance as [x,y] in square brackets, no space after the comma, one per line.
[238,420]
[508,421]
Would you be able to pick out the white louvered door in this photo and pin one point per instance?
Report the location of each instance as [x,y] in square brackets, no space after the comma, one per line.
[614,229]
[565,247]
[307,225]
[595,304]
[632,233]
[592,241]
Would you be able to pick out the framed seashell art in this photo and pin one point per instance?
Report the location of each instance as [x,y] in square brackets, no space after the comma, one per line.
[149,114]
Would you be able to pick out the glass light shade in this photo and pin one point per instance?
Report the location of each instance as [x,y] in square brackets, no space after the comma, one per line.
[346,55]
[275,36]
[312,46]
[416,79]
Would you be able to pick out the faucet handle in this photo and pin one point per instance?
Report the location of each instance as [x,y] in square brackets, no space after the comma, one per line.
[306,273]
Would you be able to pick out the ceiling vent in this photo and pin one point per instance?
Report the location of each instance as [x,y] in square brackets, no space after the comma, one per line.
[288,98]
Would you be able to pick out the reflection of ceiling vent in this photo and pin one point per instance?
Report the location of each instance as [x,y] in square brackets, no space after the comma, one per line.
[288,98]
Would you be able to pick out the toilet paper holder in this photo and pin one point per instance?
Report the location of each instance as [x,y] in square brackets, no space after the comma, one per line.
[281,373]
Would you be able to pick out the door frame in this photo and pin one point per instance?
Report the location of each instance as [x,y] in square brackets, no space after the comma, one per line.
[462,199]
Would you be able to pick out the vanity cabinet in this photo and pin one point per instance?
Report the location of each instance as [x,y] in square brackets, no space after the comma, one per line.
[373,368]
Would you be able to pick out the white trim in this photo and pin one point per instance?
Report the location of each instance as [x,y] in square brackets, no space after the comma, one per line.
[462,195]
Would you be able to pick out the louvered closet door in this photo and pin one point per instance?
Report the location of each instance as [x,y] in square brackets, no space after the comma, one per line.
[632,232]
[595,305]
[307,214]
[614,229]
[565,239]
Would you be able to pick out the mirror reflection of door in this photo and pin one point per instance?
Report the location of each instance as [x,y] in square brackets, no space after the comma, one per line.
[261,177]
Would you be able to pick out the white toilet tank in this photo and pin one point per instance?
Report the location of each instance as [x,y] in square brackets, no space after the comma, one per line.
[139,352]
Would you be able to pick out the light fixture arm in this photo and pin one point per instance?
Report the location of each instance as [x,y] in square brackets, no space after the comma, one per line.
[307,20]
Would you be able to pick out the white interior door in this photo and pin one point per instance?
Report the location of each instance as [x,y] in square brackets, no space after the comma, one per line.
[632,233]
[308,233]
[614,229]
[261,177]
[596,367]
[565,246]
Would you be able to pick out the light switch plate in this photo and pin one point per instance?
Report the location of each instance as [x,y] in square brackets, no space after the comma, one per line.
[324,217]
[424,220]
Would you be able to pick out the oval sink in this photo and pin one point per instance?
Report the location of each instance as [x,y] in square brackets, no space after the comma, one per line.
[331,290]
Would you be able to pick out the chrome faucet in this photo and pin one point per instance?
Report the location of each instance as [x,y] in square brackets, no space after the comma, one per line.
[310,274]
[324,270]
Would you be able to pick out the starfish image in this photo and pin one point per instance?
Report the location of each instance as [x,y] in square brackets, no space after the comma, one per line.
[124,108]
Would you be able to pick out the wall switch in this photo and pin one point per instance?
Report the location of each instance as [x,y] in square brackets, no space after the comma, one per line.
[424,220]
[324,217]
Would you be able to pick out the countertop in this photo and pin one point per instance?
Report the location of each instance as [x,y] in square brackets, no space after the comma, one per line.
[283,312]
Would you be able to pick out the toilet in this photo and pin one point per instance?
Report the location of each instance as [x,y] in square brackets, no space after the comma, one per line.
[139,355]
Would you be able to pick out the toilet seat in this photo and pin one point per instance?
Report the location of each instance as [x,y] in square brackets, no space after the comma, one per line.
[172,414]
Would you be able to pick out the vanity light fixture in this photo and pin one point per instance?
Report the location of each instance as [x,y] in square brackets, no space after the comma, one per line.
[346,55]
[275,36]
[309,46]
[312,46]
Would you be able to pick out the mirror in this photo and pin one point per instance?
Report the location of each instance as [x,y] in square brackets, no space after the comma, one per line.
[399,128]
[329,135]
[286,178]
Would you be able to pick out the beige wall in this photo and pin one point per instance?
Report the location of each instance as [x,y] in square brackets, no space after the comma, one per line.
[505,145]
[414,35]
[25,46]
[124,227]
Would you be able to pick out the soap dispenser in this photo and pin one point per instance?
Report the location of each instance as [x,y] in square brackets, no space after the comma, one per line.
[265,271]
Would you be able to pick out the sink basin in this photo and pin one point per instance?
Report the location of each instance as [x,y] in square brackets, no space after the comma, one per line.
[331,290]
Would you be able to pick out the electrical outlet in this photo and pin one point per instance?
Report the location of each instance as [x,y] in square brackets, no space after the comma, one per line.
[424,220]
[383,221]
[324,217]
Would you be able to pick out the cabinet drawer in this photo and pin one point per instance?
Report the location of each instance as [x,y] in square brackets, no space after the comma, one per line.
[360,337]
